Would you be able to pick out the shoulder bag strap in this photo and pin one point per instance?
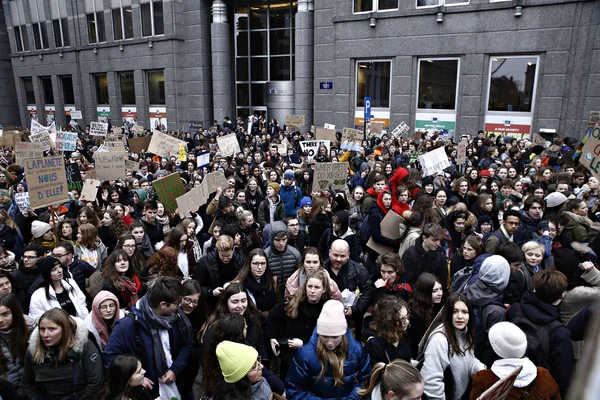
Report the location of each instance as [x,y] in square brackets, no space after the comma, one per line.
[525,394]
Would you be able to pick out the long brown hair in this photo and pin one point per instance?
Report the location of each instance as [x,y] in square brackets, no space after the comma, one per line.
[19,331]
[336,358]
[386,318]
[421,301]
[398,376]
[118,227]
[291,309]
[68,327]
[449,326]
[89,234]
[109,272]
[245,271]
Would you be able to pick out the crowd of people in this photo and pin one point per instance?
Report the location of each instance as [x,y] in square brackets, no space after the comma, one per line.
[271,288]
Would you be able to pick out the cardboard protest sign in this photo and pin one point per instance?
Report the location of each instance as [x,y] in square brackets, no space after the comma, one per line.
[168,190]
[9,139]
[46,181]
[115,146]
[132,166]
[401,129]
[594,119]
[312,146]
[43,138]
[22,201]
[228,145]
[117,131]
[90,189]
[538,140]
[351,139]
[73,175]
[434,161]
[376,127]
[326,134]
[591,150]
[163,145]
[192,200]
[500,389]
[25,150]
[461,153]
[98,128]
[101,149]
[91,174]
[110,165]
[140,144]
[390,228]
[66,141]
[295,120]
[330,174]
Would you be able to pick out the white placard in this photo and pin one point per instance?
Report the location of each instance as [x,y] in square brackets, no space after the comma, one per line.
[98,128]
[76,114]
[228,145]
[312,146]
[434,161]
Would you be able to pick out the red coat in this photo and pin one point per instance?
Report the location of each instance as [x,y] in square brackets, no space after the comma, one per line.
[545,387]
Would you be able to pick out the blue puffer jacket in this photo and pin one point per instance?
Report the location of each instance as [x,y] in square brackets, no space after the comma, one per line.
[303,375]
[290,197]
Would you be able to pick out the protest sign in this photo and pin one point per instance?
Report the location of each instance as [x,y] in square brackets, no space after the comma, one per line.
[90,189]
[138,130]
[66,141]
[110,165]
[115,146]
[295,120]
[101,149]
[228,145]
[351,139]
[76,114]
[203,159]
[25,150]
[538,140]
[98,128]
[329,126]
[390,228]
[9,139]
[36,127]
[163,145]
[326,134]
[330,174]
[434,161]
[376,127]
[401,129]
[168,190]
[461,153]
[117,131]
[91,174]
[132,166]
[22,201]
[192,200]
[312,146]
[594,119]
[43,138]
[591,150]
[140,144]
[73,175]
[501,389]
[46,181]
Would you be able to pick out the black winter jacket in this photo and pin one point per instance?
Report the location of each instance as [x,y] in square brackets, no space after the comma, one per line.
[354,276]
[209,275]
[417,261]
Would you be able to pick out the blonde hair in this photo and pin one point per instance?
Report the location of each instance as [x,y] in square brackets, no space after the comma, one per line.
[224,243]
[398,376]
[68,326]
[531,245]
[336,358]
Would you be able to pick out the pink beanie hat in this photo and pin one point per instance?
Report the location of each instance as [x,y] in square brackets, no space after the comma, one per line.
[332,321]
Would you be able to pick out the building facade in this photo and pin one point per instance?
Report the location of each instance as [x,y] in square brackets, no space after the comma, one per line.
[514,66]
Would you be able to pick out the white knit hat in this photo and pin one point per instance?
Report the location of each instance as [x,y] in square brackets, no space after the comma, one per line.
[555,199]
[38,228]
[332,321]
[508,340]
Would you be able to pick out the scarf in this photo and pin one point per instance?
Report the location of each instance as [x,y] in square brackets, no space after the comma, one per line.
[49,244]
[145,247]
[398,286]
[130,290]
[99,323]
[156,323]
[196,249]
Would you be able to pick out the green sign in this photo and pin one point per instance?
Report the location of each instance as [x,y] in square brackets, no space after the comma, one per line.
[103,114]
[428,124]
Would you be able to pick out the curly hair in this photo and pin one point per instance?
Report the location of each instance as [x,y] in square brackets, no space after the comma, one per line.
[118,227]
[386,318]
[291,309]
[164,262]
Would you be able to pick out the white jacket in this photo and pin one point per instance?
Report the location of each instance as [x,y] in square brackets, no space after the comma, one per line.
[40,303]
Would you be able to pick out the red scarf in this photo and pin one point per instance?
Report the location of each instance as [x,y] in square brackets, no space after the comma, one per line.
[130,290]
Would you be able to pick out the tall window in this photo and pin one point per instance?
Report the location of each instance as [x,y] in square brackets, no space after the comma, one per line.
[29,93]
[101,83]
[122,23]
[156,87]
[374,5]
[152,18]
[40,36]
[438,80]
[67,87]
[46,82]
[373,80]
[61,33]
[512,83]
[96,31]
[127,88]
[21,38]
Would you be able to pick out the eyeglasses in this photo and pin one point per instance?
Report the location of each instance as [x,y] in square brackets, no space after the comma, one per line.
[405,319]
[30,257]
[190,301]
[60,255]
[128,246]
[107,307]
[259,264]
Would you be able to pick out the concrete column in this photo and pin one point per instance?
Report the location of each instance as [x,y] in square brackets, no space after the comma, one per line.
[304,51]
[222,75]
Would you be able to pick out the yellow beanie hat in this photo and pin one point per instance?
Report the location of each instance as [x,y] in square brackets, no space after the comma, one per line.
[235,360]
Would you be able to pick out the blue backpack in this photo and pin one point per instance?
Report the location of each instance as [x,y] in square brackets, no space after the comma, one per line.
[365,230]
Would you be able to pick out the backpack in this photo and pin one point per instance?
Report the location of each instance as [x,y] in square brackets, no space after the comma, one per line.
[365,230]
[461,278]
[488,235]
[538,338]
[481,334]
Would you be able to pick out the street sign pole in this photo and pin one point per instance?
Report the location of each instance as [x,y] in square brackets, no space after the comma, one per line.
[367,114]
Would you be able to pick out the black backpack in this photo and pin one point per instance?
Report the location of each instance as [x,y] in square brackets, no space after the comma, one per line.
[365,231]
[538,338]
